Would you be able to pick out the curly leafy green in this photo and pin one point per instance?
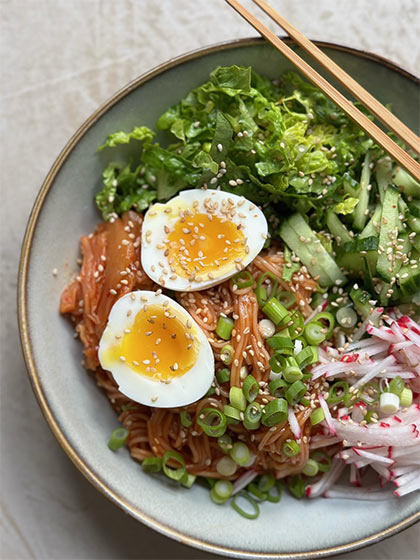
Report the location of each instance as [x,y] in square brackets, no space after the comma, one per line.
[282,141]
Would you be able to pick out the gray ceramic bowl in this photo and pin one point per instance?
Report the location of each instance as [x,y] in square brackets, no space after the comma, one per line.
[78,412]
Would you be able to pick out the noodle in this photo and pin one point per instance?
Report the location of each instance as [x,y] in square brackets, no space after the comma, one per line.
[153,431]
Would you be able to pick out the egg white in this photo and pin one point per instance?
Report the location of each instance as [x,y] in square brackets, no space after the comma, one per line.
[160,217]
[182,390]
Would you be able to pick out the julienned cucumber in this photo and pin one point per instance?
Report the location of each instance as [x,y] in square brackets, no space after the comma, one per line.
[296,233]
[361,300]
[372,227]
[387,261]
[409,280]
[337,228]
[359,214]
[350,256]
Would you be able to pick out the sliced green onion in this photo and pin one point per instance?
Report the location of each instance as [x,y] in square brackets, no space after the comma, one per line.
[226,354]
[369,415]
[286,298]
[253,489]
[290,448]
[297,487]
[243,279]
[210,481]
[396,385]
[118,438]
[302,340]
[225,443]
[245,496]
[186,419]
[223,375]
[323,460]
[151,464]
[307,356]
[210,392]
[237,398]
[250,388]
[275,493]
[275,362]
[261,291]
[173,473]
[226,466]
[276,311]
[291,370]
[188,480]
[337,392]
[346,317]
[365,394]
[296,324]
[314,333]
[389,403]
[215,498]
[252,416]
[277,387]
[266,481]
[295,392]
[275,412]
[223,488]
[225,327]
[406,397]
[212,421]
[279,341]
[330,320]
[311,468]
[221,491]
[233,415]
[240,453]
[317,416]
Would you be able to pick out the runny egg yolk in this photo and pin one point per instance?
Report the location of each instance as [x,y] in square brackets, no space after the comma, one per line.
[159,344]
[203,244]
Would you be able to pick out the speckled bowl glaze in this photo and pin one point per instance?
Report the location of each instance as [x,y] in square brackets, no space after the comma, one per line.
[78,413]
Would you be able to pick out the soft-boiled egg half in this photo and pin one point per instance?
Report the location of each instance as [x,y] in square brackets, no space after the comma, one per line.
[200,238]
[155,351]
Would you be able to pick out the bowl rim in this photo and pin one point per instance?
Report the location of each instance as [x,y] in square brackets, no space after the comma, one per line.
[25,338]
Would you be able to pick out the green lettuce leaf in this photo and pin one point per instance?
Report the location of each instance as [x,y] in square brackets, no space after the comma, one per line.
[346,206]
[141,133]
[122,190]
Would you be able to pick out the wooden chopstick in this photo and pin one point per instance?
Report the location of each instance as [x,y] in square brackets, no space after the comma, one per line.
[375,107]
[380,137]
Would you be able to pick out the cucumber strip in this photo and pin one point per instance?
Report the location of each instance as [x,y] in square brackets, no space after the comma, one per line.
[337,228]
[383,175]
[409,276]
[354,265]
[361,300]
[416,242]
[297,234]
[372,227]
[359,216]
[414,208]
[406,183]
[387,263]
[350,185]
[360,244]
[410,219]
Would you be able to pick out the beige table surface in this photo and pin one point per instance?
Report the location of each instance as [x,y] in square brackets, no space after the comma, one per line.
[59,60]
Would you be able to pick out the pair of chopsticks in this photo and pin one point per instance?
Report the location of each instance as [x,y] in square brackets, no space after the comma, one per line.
[372,104]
